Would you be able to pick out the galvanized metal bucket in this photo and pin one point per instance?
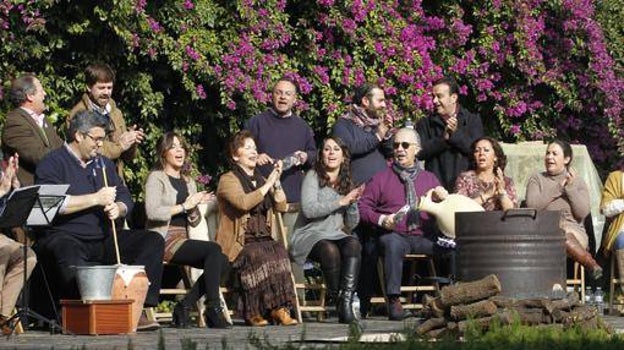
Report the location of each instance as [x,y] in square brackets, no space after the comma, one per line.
[95,282]
[523,247]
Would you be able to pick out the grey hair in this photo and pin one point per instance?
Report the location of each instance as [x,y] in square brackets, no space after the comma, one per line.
[83,122]
[413,132]
[21,88]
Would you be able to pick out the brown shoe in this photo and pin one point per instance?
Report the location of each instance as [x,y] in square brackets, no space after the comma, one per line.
[257,321]
[6,326]
[282,317]
[145,324]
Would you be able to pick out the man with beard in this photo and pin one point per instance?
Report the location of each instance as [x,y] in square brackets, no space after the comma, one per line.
[121,142]
[364,130]
[447,136]
[26,131]
[403,183]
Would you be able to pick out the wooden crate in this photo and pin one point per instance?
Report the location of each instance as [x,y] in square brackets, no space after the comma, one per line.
[97,317]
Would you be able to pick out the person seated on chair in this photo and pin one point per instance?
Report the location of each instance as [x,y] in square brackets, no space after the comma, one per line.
[247,202]
[487,183]
[11,253]
[171,200]
[612,207]
[329,205]
[403,183]
[82,233]
[560,188]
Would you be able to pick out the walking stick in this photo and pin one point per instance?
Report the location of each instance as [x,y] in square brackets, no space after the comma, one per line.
[103,166]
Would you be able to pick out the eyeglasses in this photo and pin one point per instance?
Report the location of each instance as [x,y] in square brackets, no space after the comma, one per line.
[95,139]
[404,144]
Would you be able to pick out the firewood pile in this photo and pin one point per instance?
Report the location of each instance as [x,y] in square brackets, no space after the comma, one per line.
[478,304]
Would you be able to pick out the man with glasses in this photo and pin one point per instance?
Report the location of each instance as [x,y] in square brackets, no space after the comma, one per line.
[390,203]
[448,134]
[97,199]
[27,131]
[120,144]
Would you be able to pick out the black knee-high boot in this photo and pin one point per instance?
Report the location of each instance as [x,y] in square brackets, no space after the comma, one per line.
[348,282]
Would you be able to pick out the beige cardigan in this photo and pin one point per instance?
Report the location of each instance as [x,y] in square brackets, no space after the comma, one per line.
[160,196]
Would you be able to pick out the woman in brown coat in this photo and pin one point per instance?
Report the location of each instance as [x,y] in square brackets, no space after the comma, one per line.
[246,221]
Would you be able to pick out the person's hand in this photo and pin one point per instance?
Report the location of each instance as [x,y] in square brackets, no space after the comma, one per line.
[499,180]
[439,193]
[302,157]
[193,200]
[130,137]
[8,178]
[569,178]
[451,127]
[112,210]
[382,128]
[106,196]
[208,197]
[264,159]
[275,174]
[352,197]
[388,222]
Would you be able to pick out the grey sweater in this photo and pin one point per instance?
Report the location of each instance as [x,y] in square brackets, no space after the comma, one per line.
[323,218]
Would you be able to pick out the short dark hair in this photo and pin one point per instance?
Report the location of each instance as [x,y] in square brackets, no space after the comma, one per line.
[565,146]
[21,87]
[237,141]
[501,158]
[84,121]
[99,73]
[365,90]
[450,82]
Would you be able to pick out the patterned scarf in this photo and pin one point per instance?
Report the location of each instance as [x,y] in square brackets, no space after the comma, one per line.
[257,222]
[358,115]
[408,177]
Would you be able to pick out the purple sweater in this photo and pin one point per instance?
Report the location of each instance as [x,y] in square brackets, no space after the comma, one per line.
[279,137]
[385,194]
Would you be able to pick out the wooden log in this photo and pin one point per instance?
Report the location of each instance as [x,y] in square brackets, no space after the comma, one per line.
[432,323]
[468,292]
[503,302]
[475,310]
[437,333]
[479,323]
[433,306]
[525,316]
[565,304]
[579,315]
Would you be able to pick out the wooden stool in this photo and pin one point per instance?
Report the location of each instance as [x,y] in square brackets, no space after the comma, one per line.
[614,281]
[577,282]
[318,306]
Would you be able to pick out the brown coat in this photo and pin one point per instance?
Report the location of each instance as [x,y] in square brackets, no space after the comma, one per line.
[234,206]
[21,134]
[112,147]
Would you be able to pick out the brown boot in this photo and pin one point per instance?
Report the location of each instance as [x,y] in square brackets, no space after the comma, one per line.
[582,256]
[282,317]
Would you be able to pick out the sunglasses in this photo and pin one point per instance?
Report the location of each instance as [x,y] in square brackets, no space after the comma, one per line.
[405,145]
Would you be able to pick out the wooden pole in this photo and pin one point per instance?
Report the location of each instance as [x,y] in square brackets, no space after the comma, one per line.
[112,221]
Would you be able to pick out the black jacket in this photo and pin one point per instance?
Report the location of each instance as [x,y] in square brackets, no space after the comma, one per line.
[448,158]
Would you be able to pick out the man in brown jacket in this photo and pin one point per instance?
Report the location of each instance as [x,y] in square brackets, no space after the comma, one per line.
[26,130]
[121,142]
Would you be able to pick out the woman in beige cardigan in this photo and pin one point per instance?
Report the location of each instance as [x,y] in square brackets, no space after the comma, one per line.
[171,200]
[261,264]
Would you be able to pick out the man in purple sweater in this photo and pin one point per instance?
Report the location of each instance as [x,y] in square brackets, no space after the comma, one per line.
[402,232]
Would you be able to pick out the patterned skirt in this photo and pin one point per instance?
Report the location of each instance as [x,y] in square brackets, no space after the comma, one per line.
[176,235]
[265,280]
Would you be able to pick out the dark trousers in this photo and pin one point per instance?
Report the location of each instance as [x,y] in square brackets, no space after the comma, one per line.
[60,251]
[393,247]
[207,256]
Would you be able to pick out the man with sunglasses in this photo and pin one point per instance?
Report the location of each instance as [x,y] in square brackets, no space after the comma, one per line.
[448,134]
[82,233]
[390,203]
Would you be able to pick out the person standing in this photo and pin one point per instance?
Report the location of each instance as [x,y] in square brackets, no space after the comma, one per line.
[447,135]
[121,142]
[27,131]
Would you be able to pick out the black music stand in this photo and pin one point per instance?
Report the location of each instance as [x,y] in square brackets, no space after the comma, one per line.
[15,213]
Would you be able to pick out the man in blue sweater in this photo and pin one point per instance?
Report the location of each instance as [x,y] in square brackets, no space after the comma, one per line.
[97,198]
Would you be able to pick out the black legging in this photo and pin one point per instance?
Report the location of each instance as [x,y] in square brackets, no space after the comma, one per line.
[207,256]
[330,254]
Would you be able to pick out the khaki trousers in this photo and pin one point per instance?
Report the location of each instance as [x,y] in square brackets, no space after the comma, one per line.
[11,272]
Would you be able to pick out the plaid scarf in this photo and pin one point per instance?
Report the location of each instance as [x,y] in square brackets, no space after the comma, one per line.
[408,177]
[358,115]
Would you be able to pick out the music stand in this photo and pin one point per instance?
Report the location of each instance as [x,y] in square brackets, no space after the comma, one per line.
[17,209]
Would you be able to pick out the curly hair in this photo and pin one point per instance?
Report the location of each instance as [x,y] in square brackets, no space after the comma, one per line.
[344,182]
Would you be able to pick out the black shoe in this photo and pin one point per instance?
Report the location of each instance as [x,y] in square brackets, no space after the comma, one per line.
[214,318]
[181,317]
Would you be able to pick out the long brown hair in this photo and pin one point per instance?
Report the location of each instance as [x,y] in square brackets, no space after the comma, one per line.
[164,144]
[345,182]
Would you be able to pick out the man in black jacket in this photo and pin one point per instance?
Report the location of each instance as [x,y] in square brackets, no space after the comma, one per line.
[448,134]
